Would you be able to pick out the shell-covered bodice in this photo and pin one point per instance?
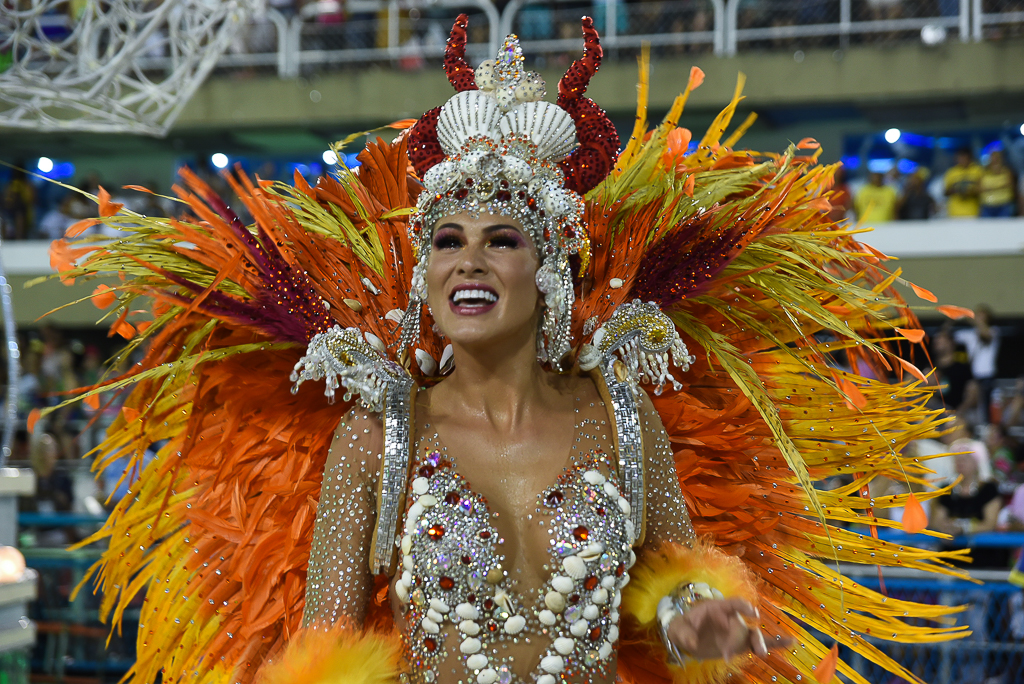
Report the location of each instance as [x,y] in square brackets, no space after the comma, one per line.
[470,610]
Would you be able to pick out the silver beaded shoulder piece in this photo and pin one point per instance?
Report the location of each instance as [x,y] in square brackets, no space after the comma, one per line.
[350,358]
[634,346]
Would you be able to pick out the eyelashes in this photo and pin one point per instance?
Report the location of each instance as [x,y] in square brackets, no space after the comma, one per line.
[449,239]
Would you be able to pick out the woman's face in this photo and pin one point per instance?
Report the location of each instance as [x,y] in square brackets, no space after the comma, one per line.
[481,279]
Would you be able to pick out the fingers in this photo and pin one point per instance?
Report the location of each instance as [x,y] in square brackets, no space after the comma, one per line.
[757,644]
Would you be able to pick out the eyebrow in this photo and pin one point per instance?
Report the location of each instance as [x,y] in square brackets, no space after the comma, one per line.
[489,229]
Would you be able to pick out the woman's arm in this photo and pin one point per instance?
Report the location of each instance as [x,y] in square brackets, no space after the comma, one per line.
[668,520]
[338,583]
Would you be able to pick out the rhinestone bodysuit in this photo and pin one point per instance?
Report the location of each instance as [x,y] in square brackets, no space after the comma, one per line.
[476,603]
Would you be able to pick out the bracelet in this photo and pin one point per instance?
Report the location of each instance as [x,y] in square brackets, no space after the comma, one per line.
[680,602]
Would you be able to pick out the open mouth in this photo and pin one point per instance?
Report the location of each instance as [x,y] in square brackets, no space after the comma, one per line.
[472,299]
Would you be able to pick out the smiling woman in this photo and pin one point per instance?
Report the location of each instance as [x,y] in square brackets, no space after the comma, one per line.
[568,495]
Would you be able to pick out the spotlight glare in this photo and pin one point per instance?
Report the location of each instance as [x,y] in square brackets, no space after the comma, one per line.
[220,160]
[892,135]
[330,157]
[1022,129]
[45,164]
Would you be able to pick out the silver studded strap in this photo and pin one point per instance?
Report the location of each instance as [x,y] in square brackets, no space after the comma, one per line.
[629,444]
[394,473]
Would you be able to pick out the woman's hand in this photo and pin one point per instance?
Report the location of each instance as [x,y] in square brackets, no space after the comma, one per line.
[716,628]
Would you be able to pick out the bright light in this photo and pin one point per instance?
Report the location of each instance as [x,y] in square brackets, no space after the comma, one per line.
[220,160]
[892,135]
[45,164]
[330,157]
[1022,129]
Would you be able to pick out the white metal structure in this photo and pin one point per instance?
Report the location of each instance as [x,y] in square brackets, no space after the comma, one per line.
[112,66]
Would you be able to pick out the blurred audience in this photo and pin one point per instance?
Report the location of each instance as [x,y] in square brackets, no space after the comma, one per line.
[982,343]
[916,204]
[997,188]
[962,185]
[876,201]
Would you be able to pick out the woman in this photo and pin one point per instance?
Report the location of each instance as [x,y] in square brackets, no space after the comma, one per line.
[496,299]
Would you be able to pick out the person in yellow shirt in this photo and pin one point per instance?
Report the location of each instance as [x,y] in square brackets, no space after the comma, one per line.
[876,201]
[962,186]
[997,188]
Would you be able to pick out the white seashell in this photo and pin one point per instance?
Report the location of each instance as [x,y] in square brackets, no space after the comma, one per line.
[426,362]
[467,611]
[611,490]
[608,581]
[407,562]
[516,170]
[506,97]
[407,578]
[427,500]
[402,590]
[485,76]
[547,125]
[476,662]
[604,651]
[396,315]
[501,597]
[600,596]
[624,506]
[420,485]
[575,567]
[564,645]
[616,599]
[515,624]
[595,478]
[447,360]
[413,517]
[580,627]
[375,342]
[546,679]
[554,601]
[488,676]
[613,615]
[470,646]
[624,580]
[406,544]
[592,552]
[469,627]
[552,663]
[598,336]
[615,283]
[438,605]
[591,612]
[546,617]
[631,560]
[630,529]
[613,634]
[440,178]
[435,616]
[466,115]
[562,583]
[429,625]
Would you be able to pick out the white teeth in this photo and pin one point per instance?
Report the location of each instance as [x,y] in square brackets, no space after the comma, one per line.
[474,294]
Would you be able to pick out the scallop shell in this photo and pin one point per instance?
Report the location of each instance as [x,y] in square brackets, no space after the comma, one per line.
[564,645]
[427,500]
[552,664]
[611,490]
[470,646]
[600,596]
[604,651]
[502,598]
[580,627]
[592,552]
[435,616]
[438,605]
[467,611]
[406,544]
[624,506]
[562,584]
[426,362]
[631,560]
[466,115]
[447,360]
[488,676]
[430,626]
[591,612]
[595,478]
[554,601]
[608,581]
[624,580]
[469,627]
[616,599]
[420,485]
[407,562]
[402,590]
[396,315]
[575,567]
[515,624]
[547,125]
[476,662]
[546,679]
[613,634]
[546,617]
[613,615]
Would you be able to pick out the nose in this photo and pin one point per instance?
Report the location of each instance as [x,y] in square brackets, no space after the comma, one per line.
[472,260]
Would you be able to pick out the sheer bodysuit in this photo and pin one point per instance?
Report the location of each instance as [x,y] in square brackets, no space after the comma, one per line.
[483,595]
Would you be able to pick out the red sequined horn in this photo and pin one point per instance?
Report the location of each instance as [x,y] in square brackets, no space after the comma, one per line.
[424,149]
[593,160]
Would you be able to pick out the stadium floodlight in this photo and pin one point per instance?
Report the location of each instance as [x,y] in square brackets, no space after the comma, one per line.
[220,160]
[45,164]
[892,135]
[1022,129]
[330,157]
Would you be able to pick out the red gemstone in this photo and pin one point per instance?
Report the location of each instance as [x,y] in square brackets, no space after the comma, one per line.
[484,534]
[590,583]
[555,498]
[452,498]
[488,604]
[504,183]
[620,570]
[446,583]
[503,195]
[574,599]
[595,634]
[521,195]
[461,193]
[469,181]
[471,598]
[435,531]
[426,471]
[492,626]
[531,203]
[466,560]
[600,510]
[581,533]
[430,644]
